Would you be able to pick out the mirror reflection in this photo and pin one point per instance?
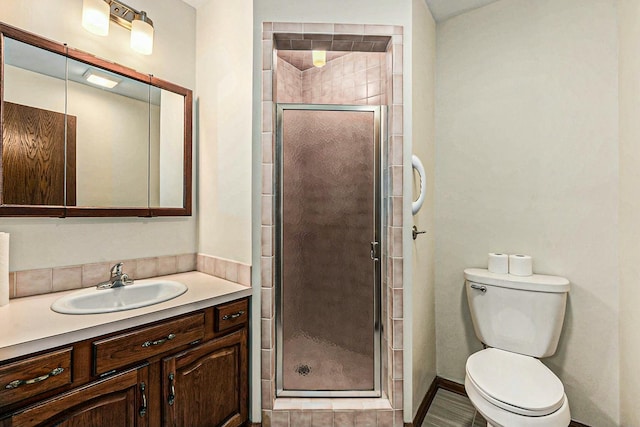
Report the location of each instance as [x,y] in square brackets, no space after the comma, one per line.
[34,131]
[167,157]
[114,133]
[79,135]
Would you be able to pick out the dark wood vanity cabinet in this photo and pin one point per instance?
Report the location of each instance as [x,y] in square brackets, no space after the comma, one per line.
[114,401]
[212,375]
[180,372]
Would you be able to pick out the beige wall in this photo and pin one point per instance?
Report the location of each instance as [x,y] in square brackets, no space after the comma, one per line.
[37,243]
[423,295]
[223,106]
[629,35]
[527,161]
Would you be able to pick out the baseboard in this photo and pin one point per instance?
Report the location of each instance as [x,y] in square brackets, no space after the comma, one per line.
[452,386]
[424,406]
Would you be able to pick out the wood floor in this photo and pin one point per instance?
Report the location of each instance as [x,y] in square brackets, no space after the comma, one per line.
[450,409]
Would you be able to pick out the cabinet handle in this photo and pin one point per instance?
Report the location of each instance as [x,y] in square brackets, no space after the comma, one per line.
[172,391]
[143,408]
[18,383]
[158,342]
[233,316]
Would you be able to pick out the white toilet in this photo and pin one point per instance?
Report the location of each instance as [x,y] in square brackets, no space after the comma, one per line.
[519,319]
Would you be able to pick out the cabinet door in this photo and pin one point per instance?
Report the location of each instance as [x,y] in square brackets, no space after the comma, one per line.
[206,386]
[117,401]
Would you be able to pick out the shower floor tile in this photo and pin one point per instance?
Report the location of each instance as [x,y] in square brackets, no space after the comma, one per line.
[450,409]
[314,364]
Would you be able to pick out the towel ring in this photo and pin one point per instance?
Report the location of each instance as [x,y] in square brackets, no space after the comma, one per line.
[417,165]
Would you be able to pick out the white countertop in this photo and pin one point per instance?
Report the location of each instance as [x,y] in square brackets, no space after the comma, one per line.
[29,324]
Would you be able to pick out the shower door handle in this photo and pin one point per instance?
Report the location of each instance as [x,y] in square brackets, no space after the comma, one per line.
[374,247]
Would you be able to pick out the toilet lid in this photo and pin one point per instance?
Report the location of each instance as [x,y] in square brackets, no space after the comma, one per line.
[514,382]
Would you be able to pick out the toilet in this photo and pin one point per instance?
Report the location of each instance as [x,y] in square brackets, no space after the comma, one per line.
[519,320]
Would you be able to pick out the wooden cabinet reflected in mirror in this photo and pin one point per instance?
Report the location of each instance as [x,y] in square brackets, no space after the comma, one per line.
[34,157]
[76,146]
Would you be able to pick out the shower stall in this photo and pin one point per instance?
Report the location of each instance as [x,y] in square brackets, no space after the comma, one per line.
[328,242]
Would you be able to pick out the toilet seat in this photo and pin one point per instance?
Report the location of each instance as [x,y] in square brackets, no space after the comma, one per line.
[516,383]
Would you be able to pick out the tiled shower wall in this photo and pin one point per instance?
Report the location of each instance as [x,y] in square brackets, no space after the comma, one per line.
[358,78]
[279,77]
[289,82]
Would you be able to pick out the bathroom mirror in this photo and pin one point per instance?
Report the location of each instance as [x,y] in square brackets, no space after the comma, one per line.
[82,136]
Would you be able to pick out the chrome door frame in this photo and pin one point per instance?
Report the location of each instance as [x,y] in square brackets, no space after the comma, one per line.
[380,118]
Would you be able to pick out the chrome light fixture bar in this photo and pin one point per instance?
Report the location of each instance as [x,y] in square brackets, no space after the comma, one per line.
[95,20]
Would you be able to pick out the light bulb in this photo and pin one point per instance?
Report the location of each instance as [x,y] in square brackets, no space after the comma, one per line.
[319,58]
[95,16]
[142,34]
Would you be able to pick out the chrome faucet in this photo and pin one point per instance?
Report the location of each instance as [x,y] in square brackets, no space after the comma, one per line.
[117,280]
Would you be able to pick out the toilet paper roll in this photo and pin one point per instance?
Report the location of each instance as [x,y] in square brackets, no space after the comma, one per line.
[4,269]
[520,265]
[498,263]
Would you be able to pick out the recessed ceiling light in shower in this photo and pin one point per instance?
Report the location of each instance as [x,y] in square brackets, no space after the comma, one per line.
[319,58]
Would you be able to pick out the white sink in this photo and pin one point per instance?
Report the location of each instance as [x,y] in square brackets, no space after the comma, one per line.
[139,294]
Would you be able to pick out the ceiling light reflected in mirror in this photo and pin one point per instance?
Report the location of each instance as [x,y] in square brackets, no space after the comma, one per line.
[101,79]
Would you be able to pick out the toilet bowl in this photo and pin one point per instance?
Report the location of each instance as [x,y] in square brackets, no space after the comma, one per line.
[519,319]
[513,390]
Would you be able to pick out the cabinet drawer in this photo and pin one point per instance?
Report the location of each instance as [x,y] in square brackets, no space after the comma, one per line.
[29,377]
[232,314]
[124,349]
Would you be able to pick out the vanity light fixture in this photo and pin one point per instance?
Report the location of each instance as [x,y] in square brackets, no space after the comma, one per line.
[101,79]
[319,58]
[96,15]
[142,34]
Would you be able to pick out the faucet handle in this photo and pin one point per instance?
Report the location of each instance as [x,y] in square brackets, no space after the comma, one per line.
[125,279]
[116,270]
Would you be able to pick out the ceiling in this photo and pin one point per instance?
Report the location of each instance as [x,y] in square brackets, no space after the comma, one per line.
[445,9]
[195,3]
[440,9]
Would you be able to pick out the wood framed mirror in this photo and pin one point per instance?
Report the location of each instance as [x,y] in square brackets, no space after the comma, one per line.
[82,136]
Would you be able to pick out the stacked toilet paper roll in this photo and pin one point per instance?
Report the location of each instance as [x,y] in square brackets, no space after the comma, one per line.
[520,265]
[498,263]
[4,269]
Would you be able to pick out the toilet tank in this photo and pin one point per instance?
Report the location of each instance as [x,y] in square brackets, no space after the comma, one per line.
[518,314]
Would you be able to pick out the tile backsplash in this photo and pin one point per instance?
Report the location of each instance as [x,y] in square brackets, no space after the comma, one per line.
[225,269]
[56,279]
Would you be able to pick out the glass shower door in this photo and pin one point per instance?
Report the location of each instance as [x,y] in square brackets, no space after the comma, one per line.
[327,250]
